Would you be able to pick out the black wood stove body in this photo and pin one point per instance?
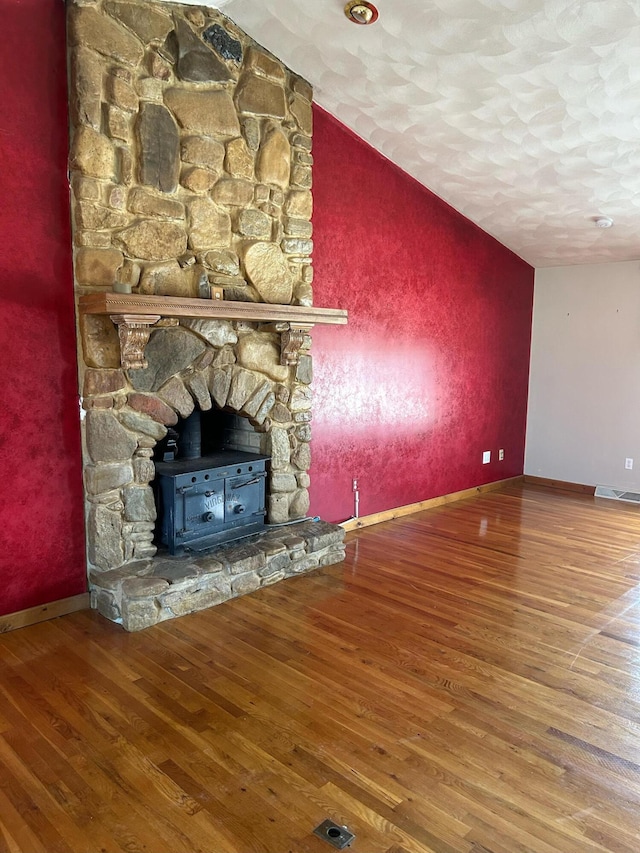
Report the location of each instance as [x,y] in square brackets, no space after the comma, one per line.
[211,499]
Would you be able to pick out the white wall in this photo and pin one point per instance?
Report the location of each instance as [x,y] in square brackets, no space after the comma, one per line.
[584,386]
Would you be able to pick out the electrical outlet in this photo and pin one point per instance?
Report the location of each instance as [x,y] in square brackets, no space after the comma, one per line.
[628,464]
[500,455]
[486,457]
[354,485]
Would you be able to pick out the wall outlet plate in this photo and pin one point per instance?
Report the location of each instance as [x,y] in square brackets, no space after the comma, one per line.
[628,464]
[486,457]
[500,455]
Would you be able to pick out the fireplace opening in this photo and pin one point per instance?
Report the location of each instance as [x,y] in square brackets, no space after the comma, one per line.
[210,484]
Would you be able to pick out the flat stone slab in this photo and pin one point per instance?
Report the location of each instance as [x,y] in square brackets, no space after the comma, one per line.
[145,592]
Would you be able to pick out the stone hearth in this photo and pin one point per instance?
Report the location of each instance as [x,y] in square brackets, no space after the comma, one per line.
[146,592]
[191,182]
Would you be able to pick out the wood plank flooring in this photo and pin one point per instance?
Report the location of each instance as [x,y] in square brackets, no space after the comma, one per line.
[468,681]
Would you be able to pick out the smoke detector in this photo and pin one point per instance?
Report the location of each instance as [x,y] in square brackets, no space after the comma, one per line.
[361,13]
[603,222]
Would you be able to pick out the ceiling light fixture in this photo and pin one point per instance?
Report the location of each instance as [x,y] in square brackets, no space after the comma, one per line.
[603,221]
[361,13]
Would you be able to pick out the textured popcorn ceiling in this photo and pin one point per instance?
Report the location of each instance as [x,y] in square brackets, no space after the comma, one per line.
[522,114]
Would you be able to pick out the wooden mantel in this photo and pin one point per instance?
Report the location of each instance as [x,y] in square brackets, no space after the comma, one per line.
[135,315]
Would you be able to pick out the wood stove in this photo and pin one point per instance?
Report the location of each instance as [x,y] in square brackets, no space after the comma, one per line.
[203,501]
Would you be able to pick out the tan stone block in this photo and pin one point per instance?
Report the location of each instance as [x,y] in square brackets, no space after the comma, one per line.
[146,22]
[104,537]
[299,506]
[304,89]
[260,96]
[150,89]
[268,271]
[198,385]
[304,371]
[195,16]
[258,60]
[245,583]
[210,226]
[253,223]
[168,279]
[278,508]
[304,480]
[117,123]
[299,204]
[233,192]
[261,352]
[302,457]
[301,176]
[102,382]
[174,392]
[92,239]
[182,604]
[86,88]
[121,94]
[301,140]
[274,159]
[239,160]
[276,196]
[96,217]
[197,180]
[153,407]
[85,189]
[116,196]
[251,132]
[218,333]
[129,273]
[139,614]
[124,165]
[301,111]
[159,67]
[303,157]
[97,267]
[99,338]
[295,246]
[297,227]
[145,202]
[211,113]
[301,398]
[223,262]
[92,153]
[261,193]
[243,384]
[89,28]
[153,240]
[220,382]
[203,151]
[254,403]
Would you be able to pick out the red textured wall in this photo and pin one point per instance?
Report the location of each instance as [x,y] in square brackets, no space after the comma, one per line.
[433,366]
[41,516]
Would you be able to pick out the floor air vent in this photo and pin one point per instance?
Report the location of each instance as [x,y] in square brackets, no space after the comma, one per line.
[617,494]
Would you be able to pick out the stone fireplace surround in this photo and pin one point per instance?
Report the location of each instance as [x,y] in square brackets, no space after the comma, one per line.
[190,176]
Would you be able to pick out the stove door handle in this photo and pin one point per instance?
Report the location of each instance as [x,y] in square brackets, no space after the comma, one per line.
[248,483]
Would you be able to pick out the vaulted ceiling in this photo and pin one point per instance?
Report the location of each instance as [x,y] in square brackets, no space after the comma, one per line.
[522,114]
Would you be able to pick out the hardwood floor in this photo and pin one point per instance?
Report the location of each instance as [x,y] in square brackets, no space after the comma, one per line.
[466,682]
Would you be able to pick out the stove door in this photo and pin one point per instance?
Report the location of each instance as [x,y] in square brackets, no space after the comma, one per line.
[203,510]
[244,498]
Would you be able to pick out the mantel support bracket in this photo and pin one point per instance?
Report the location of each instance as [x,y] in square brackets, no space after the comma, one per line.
[291,339]
[134,331]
